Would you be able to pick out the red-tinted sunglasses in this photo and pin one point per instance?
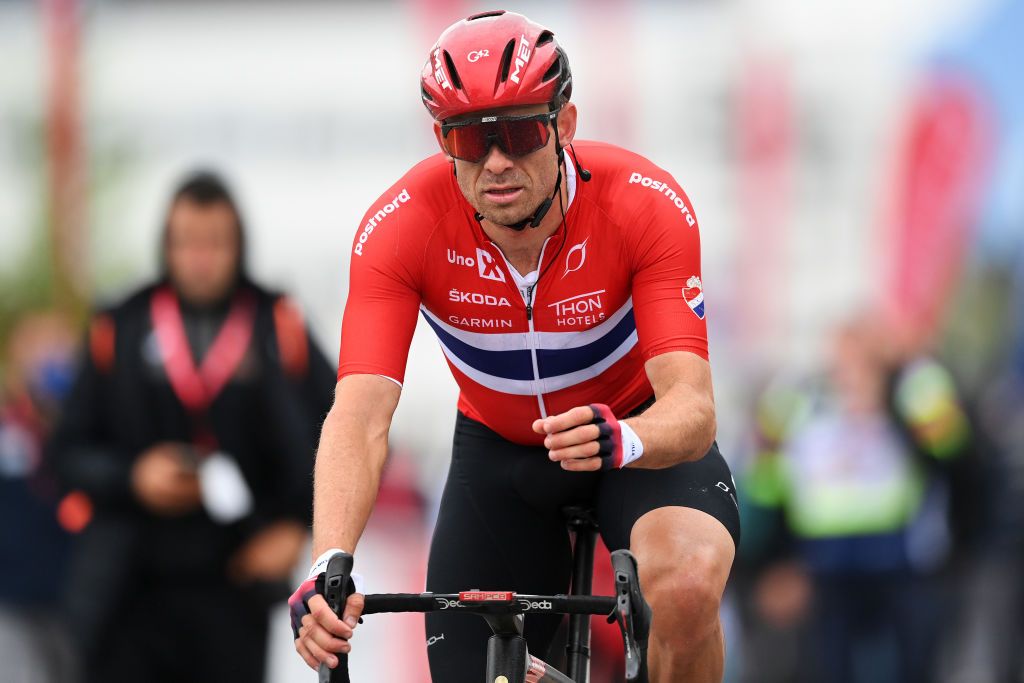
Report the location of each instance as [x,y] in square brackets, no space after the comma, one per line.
[516,136]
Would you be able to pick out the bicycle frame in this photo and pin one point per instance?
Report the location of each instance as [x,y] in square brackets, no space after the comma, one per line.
[582,524]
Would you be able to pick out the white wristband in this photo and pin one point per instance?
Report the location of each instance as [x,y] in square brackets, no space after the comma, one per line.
[632,446]
[320,566]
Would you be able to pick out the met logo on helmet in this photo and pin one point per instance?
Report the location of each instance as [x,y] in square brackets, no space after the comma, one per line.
[522,58]
[439,75]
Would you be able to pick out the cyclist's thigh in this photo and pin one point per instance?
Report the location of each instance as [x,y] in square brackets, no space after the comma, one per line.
[628,494]
[489,535]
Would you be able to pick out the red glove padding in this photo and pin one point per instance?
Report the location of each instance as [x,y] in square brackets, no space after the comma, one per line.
[618,445]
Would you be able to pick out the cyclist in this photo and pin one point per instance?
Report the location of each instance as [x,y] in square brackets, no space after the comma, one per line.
[565,292]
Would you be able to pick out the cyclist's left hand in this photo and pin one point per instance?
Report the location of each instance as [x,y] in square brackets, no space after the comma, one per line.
[572,439]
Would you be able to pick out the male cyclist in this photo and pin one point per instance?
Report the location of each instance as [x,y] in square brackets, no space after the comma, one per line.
[565,292]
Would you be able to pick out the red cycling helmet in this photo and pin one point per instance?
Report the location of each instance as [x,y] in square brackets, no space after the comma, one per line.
[493,60]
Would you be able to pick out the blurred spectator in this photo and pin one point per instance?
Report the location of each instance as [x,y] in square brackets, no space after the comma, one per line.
[859,473]
[191,427]
[33,547]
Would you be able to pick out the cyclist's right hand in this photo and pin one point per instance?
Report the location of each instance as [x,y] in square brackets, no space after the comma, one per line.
[319,634]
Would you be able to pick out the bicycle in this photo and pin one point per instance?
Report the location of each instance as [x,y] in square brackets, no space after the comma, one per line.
[508,660]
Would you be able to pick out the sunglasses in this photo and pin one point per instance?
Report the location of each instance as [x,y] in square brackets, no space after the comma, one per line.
[516,136]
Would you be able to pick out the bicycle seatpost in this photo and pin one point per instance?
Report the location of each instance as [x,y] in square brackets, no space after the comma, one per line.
[577,649]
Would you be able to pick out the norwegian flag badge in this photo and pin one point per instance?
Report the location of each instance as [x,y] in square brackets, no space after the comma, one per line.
[693,293]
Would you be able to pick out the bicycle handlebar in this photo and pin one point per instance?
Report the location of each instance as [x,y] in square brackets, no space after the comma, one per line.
[628,608]
[517,604]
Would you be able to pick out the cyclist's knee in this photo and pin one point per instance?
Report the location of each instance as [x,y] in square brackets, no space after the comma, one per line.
[685,592]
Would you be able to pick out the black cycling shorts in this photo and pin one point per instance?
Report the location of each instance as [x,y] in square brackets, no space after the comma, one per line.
[501,527]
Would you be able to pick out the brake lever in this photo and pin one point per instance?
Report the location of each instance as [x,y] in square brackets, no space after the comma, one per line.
[633,615]
[337,585]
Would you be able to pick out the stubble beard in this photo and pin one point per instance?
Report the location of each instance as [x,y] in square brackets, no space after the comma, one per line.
[501,215]
[506,215]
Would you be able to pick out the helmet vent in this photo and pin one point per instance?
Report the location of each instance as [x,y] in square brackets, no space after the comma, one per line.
[553,71]
[425,95]
[492,13]
[456,81]
[545,38]
[506,60]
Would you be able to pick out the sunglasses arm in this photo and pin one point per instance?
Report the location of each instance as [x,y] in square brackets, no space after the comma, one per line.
[440,141]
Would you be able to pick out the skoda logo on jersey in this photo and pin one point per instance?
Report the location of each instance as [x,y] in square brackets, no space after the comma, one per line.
[488,267]
[576,257]
[693,293]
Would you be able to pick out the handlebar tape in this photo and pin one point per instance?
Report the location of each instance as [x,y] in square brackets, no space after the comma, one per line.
[336,592]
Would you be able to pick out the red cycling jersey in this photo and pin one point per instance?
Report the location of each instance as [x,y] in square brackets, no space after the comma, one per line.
[617,284]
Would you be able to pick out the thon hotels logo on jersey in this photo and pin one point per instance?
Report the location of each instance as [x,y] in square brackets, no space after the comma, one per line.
[582,309]
[667,192]
[693,293]
[486,265]
[375,220]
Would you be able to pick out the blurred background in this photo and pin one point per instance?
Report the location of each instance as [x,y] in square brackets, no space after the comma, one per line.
[857,170]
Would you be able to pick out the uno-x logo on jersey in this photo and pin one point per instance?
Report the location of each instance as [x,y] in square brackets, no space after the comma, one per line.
[488,267]
[379,216]
[485,264]
[693,293]
[522,58]
[662,187]
[576,257]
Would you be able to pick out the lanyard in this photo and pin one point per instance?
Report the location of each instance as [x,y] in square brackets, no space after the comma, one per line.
[197,387]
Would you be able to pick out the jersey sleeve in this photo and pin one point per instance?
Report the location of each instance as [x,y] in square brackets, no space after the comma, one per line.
[668,296]
[384,295]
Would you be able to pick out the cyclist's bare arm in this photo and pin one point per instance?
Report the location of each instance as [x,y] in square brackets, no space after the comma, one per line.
[349,462]
[353,447]
[679,427]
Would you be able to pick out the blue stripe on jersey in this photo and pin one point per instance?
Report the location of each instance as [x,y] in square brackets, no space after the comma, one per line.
[556,362]
[513,364]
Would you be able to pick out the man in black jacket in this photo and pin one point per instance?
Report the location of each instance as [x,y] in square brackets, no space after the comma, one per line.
[191,429]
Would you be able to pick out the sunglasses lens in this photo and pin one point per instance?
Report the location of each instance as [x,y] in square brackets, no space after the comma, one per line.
[516,138]
[469,143]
